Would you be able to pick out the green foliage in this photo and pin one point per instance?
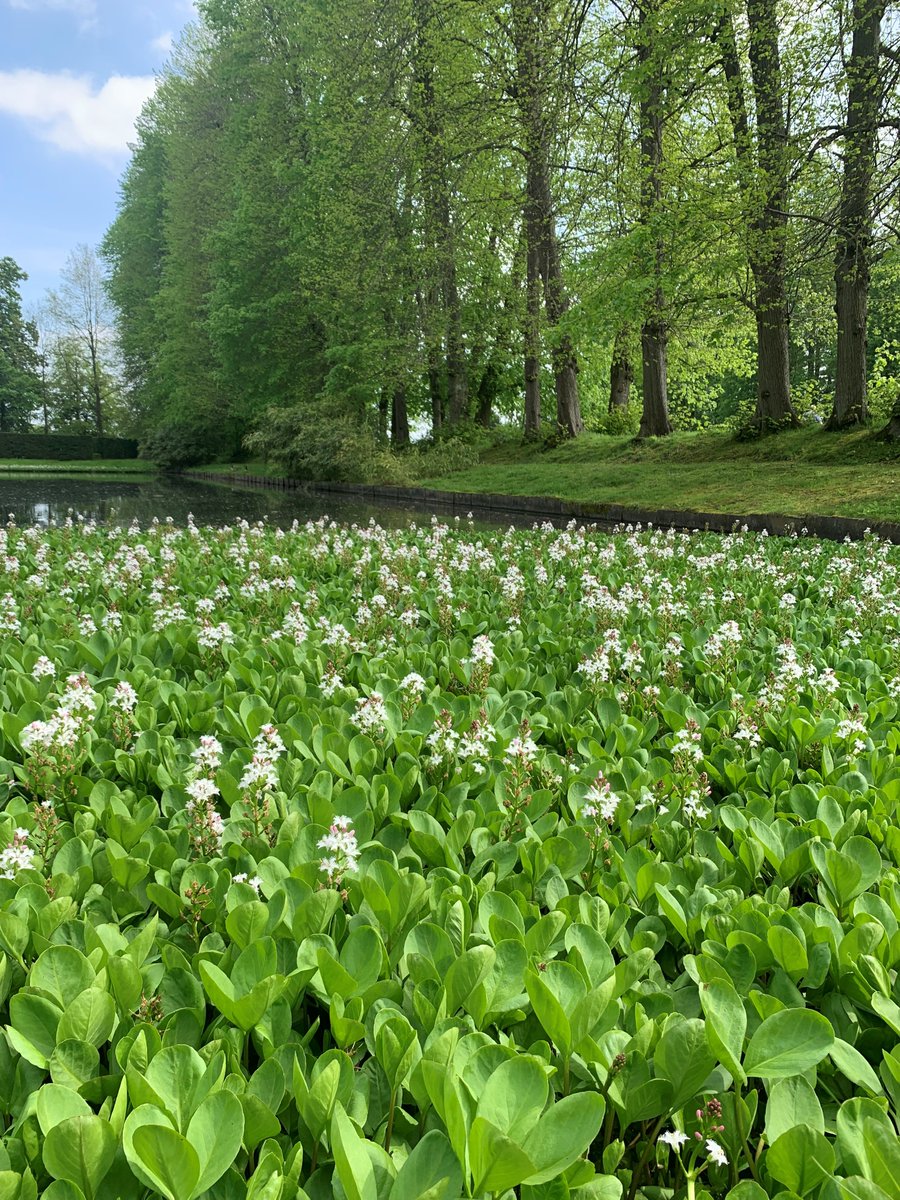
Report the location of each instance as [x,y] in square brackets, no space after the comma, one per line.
[333,868]
[19,380]
[336,207]
[176,446]
[63,447]
[321,440]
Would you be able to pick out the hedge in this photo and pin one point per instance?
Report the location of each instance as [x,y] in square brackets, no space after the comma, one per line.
[65,447]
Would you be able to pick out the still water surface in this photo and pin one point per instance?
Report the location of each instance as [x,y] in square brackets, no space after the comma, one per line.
[51,499]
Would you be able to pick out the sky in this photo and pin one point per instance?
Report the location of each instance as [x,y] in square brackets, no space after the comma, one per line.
[74,75]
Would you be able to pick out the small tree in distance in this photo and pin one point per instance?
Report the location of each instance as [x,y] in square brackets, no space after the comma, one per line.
[82,312]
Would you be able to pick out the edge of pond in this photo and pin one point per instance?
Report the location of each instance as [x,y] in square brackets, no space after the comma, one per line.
[605,516]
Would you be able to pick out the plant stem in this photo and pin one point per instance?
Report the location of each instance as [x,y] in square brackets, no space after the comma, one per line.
[648,1150]
[390,1124]
[742,1136]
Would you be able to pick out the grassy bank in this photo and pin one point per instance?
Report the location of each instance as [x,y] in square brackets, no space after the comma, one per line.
[86,466]
[797,473]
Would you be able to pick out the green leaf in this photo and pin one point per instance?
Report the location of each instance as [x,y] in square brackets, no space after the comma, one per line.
[169,1160]
[801,1158]
[497,1162]
[788,1043]
[431,1172]
[354,1166]
[395,1048]
[792,1102]
[514,1097]
[215,1132]
[684,1058]
[81,1150]
[563,1134]
[883,1154]
[56,1104]
[726,1025]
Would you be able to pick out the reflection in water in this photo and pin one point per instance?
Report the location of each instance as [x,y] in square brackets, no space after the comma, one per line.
[52,499]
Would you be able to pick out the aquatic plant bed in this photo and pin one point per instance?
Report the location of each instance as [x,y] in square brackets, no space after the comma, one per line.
[440,863]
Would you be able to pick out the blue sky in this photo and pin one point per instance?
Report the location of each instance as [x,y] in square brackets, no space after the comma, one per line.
[73,77]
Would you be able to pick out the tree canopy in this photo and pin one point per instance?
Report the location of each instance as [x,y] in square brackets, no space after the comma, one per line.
[399,215]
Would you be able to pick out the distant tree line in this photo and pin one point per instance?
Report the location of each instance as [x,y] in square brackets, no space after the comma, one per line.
[59,365]
[394,215]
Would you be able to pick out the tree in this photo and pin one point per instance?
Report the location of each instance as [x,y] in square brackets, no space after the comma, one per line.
[81,311]
[539,88]
[19,377]
[654,333]
[854,231]
[762,156]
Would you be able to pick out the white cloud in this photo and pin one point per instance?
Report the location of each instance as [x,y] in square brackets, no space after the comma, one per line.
[164,42]
[70,113]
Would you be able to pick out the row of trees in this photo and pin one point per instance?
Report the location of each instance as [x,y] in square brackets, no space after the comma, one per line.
[59,365]
[403,212]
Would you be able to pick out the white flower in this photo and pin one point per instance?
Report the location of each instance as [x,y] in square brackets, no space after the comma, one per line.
[43,668]
[124,697]
[482,651]
[208,754]
[716,1153]
[201,790]
[371,715]
[413,685]
[523,750]
[674,1138]
[259,773]
[343,851]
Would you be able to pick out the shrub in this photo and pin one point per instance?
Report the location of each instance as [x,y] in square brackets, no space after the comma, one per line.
[621,422]
[175,446]
[321,441]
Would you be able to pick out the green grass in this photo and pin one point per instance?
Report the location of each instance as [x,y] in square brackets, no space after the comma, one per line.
[259,469]
[86,466]
[798,473]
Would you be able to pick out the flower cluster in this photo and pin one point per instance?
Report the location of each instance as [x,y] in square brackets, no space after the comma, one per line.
[205,824]
[56,747]
[17,856]
[371,716]
[259,778]
[481,660]
[342,852]
[601,802]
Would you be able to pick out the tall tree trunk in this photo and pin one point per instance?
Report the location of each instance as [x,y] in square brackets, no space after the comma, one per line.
[438,216]
[432,360]
[399,418]
[569,422]
[654,333]
[532,324]
[544,265]
[621,374]
[851,275]
[774,407]
[891,431]
[486,394]
[96,390]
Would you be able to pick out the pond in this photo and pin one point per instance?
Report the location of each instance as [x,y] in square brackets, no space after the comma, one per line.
[51,499]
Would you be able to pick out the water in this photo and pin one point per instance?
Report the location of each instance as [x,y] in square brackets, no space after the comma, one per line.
[51,499]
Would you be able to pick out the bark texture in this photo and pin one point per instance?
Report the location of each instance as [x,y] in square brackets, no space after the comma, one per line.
[762,173]
[621,374]
[774,406]
[654,332]
[851,274]
[544,268]
[445,315]
[399,419]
